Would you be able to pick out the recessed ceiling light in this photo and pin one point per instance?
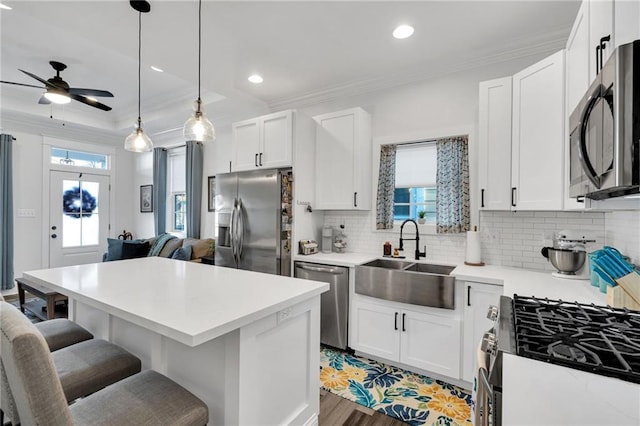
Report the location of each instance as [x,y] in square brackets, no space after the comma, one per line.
[255,79]
[156,69]
[403,31]
[4,6]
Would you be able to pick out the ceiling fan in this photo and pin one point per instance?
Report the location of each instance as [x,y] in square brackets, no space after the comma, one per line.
[59,92]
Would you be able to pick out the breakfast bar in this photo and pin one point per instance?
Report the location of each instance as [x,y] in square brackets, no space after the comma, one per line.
[246,343]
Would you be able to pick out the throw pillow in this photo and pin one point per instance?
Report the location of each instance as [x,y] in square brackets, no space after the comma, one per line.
[133,250]
[182,253]
[114,249]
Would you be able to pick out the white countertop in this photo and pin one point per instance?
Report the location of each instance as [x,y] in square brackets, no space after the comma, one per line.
[530,283]
[337,259]
[513,280]
[186,301]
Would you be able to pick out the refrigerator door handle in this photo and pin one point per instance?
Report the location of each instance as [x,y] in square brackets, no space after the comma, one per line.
[240,229]
[234,225]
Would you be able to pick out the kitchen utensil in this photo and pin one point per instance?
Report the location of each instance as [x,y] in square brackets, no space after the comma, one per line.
[566,261]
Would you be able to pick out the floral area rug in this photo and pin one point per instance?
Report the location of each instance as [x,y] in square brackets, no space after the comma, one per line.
[409,397]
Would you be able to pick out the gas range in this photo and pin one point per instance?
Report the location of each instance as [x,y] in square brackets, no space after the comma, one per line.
[556,362]
[597,339]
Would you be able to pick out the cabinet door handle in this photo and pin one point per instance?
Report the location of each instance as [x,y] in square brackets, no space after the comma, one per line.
[598,60]
[256,160]
[513,197]
[355,199]
[260,161]
[403,315]
[395,322]
[580,199]
[482,197]
[603,45]
[468,295]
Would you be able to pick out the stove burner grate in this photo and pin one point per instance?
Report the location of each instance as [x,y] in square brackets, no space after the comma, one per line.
[598,339]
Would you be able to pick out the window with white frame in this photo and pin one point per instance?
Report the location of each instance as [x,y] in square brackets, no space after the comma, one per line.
[415,182]
[176,191]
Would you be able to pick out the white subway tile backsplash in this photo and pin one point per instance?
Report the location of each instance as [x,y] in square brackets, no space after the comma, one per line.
[521,235]
[507,238]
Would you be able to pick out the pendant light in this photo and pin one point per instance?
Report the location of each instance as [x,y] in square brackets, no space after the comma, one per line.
[198,127]
[138,140]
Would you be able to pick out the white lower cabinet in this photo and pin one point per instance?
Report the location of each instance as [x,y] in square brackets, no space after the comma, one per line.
[479,297]
[411,335]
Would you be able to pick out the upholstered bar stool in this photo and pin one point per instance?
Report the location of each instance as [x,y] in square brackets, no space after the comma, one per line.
[147,398]
[82,369]
[60,332]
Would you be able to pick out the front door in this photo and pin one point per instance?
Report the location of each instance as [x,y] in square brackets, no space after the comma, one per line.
[79,218]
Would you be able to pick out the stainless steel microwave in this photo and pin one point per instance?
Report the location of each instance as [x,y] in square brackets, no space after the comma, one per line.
[605,130]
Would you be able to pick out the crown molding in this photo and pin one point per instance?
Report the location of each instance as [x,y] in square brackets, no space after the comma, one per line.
[34,124]
[519,48]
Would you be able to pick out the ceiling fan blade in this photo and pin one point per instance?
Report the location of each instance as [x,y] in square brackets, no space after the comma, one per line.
[44,101]
[90,92]
[45,82]
[22,84]
[89,102]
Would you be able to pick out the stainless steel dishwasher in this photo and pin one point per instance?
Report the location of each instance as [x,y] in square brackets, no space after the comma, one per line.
[334,304]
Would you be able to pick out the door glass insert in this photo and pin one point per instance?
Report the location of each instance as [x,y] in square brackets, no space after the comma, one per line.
[80,213]
[69,157]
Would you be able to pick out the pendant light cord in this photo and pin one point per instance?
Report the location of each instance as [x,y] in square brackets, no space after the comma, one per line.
[199,43]
[139,62]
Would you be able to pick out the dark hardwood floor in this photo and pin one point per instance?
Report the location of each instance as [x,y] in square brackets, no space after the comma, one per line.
[337,411]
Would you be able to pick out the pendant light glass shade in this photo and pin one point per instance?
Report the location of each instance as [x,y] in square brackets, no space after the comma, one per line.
[198,127]
[138,141]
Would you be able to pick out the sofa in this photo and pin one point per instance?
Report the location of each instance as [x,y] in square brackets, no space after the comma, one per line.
[165,245]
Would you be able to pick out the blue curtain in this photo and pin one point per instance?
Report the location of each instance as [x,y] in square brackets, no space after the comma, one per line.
[160,190]
[6,212]
[452,180]
[194,188]
[386,187]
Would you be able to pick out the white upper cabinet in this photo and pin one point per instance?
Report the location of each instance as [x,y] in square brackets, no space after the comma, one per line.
[263,142]
[578,53]
[600,34]
[343,160]
[495,144]
[626,21]
[521,125]
[537,155]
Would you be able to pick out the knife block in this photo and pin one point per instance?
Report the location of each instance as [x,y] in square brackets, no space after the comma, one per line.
[617,297]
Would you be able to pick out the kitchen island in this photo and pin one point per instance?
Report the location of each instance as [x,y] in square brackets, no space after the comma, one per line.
[246,343]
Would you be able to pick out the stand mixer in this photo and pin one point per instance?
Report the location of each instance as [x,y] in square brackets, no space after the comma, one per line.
[569,255]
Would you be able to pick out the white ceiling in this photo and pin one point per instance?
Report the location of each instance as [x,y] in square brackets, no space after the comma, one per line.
[306,51]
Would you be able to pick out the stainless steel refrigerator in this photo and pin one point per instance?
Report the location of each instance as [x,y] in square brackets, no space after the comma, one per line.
[254,219]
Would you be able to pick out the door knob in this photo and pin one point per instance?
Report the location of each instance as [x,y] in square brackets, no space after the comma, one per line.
[54,236]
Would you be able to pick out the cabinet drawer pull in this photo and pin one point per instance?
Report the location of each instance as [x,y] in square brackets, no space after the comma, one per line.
[395,322]
[256,160]
[355,199]
[482,197]
[468,295]
[403,315]
[260,161]
[513,197]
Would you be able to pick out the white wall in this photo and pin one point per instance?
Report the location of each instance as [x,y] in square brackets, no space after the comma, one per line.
[27,194]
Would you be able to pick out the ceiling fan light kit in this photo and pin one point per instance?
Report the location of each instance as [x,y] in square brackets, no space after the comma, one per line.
[138,141]
[57,96]
[198,127]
